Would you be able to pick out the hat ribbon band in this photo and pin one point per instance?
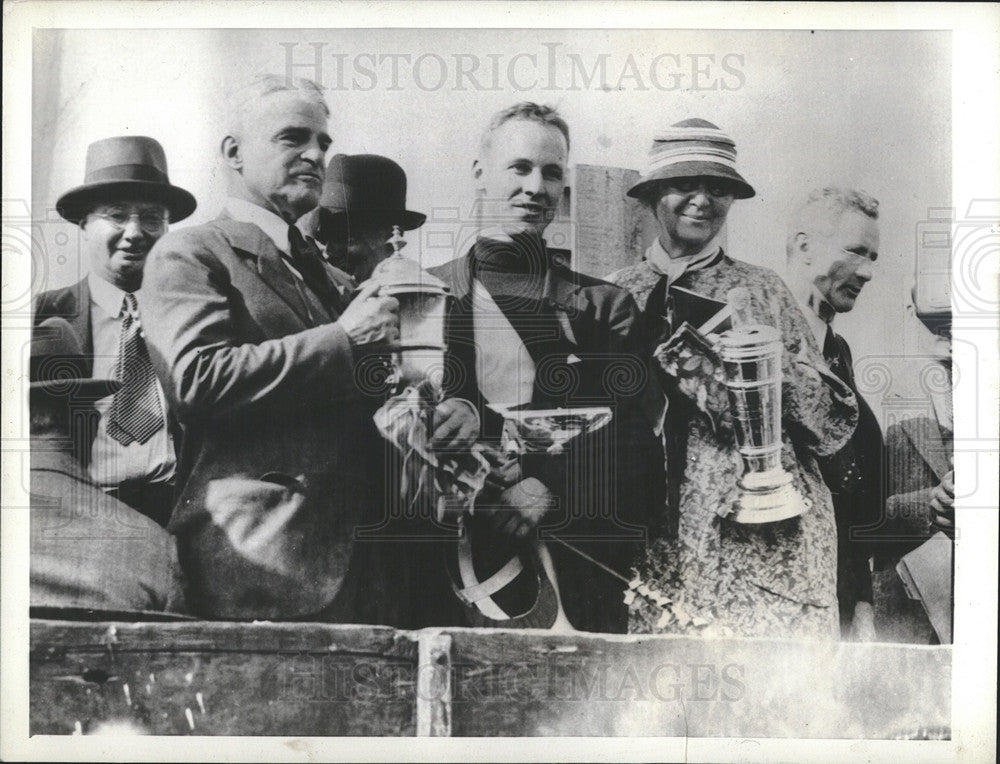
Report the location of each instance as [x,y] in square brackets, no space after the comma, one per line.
[665,161]
[126,172]
[694,134]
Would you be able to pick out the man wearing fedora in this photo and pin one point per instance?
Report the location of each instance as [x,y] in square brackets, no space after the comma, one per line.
[257,350]
[364,196]
[122,209]
[88,550]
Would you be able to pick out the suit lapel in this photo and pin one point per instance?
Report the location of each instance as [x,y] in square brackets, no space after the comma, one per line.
[81,320]
[251,242]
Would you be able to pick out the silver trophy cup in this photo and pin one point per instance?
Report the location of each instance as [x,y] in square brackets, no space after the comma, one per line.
[751,358]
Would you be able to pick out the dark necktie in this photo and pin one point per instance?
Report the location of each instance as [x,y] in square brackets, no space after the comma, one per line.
[834,359]
[135,414]
[306,258]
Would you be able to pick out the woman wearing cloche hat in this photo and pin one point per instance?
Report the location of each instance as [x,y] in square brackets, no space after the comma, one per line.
[776,579]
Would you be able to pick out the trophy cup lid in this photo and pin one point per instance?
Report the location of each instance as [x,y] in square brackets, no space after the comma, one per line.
[398,275]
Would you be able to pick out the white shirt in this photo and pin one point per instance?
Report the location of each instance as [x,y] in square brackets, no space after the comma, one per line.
[111,463]
[504,369]
[274,226]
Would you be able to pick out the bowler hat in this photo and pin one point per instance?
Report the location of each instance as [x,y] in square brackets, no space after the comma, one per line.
[58,366]
[689,149]
[125,166]
[366,188]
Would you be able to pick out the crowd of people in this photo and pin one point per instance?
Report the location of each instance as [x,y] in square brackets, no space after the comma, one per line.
[203,441]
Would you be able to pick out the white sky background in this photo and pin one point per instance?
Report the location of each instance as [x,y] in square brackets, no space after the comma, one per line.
[866,109]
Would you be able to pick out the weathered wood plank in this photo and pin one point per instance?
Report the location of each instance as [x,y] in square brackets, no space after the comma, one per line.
[434,673]
[221,636]
[315,679]
[222,679]
[522,683]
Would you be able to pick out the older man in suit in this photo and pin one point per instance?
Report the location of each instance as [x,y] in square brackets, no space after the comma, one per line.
[832,247]
[122,209]
[257,351]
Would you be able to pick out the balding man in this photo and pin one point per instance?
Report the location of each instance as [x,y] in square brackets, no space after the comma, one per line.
[832,247]
[257,351]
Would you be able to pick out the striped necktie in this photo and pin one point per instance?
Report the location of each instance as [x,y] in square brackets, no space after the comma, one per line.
[135,414]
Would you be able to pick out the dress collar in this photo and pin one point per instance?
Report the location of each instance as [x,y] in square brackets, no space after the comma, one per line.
[675,267]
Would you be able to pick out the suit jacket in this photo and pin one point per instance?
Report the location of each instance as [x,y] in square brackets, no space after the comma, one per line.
[89,550]
[73,304]
[281,459]
[607,495]
[919,455]
[854,476]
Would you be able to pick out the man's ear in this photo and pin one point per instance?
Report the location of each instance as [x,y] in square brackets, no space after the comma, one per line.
[477,172]
[231,152]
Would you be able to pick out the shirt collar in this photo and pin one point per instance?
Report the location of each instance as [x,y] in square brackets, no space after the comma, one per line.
[274,227]
[819,305]
[106,295]
[819,315]
[675,267]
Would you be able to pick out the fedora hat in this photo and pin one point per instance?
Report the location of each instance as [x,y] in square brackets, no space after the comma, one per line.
[367,187]
[131,166]
[58,365]
[689,149]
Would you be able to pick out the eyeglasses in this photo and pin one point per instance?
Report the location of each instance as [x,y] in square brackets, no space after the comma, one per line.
[715,189]
[150,221]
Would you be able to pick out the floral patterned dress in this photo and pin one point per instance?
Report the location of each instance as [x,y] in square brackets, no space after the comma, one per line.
[772,580]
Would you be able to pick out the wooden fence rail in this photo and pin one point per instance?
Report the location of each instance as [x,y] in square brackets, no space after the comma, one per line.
[207,678]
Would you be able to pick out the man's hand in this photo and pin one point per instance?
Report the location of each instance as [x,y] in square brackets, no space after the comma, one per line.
[943,504]
[371,319]
[522,507]
[504,471]
[456,426]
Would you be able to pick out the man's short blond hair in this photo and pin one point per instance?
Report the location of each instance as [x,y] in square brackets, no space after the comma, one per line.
[526,110]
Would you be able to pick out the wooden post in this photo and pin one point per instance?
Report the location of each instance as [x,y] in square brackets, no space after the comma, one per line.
[434,684]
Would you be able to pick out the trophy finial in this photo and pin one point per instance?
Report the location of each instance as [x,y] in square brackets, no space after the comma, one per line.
[396,241]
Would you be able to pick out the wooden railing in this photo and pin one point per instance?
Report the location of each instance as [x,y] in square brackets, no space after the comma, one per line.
[207,678]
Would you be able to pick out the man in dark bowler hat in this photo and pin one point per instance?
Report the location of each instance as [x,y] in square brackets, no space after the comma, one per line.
[364,196]
[88,550]
[257,349]
[832,248]
[123,207]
